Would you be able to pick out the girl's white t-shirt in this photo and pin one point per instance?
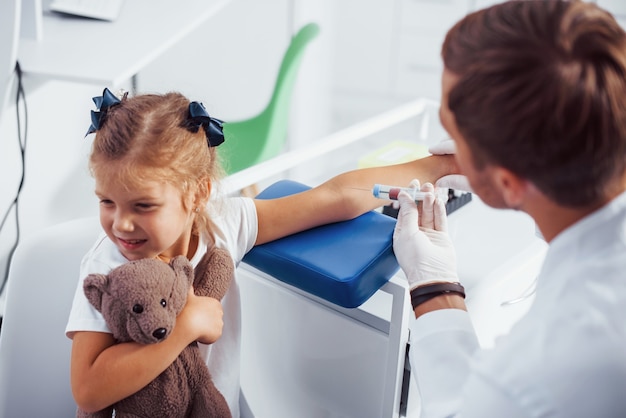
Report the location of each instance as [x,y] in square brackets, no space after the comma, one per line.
[234,228]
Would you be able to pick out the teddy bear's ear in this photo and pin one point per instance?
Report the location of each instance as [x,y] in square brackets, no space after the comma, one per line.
[95,286]
[183,279]
[180,264]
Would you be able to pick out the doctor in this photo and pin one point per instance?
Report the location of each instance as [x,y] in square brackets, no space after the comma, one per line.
[534,97]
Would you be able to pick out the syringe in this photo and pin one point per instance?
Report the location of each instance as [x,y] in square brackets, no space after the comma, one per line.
[382,191]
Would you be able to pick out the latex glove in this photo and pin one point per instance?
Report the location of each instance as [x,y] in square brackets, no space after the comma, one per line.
[452,181]
[421,242]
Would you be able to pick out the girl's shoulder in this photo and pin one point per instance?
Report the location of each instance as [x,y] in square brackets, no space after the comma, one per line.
[233,225]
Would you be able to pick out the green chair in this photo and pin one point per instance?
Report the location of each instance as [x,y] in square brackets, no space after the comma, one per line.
[251,141]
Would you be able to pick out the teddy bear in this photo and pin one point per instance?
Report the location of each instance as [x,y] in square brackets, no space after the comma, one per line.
[140,301]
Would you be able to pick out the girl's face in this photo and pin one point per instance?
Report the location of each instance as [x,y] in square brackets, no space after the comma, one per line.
[145,222]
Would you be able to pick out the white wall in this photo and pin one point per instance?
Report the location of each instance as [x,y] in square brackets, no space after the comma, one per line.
[234,72]
[57,186]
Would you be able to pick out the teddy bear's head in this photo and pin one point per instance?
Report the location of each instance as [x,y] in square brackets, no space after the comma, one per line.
[140,299]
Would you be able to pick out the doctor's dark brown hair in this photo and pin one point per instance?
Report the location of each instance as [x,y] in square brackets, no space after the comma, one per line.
[145,138]
[542,92]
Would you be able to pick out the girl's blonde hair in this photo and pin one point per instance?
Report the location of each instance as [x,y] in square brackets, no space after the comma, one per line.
[145,138]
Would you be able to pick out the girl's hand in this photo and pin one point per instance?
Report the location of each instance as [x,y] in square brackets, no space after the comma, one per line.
[97,360]
[202,318]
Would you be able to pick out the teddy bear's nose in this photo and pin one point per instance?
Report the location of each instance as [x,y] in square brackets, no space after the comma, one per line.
[159,333]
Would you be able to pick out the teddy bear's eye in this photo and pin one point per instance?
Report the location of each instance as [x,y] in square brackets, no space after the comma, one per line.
[138,308]
[163,303]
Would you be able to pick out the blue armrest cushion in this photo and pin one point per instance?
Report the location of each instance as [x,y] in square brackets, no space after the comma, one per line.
[344,263]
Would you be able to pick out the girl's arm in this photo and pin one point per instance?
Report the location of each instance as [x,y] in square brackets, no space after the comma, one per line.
[103,372]
[338,199]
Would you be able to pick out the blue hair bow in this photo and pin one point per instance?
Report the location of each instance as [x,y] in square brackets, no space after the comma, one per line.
[198,116]
[103,103]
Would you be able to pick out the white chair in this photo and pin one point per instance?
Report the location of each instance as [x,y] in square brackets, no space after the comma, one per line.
[34,351]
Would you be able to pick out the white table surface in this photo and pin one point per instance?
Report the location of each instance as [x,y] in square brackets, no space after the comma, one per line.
[109,53]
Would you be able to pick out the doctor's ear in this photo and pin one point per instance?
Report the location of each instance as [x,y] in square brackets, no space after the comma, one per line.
[513,188]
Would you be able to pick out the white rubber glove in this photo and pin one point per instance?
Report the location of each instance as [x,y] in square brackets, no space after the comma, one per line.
[452,181]
[421,242]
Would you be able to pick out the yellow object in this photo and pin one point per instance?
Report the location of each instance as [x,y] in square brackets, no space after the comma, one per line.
[395,152]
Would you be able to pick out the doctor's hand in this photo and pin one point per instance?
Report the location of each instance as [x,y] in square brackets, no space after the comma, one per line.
[451,181]
[421,242]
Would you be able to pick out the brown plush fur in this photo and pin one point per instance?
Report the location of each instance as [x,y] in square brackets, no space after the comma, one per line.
[140,301]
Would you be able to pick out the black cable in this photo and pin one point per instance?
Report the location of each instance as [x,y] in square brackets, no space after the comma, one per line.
[22,144]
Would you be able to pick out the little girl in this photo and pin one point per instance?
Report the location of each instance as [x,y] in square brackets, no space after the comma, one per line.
[155,162]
